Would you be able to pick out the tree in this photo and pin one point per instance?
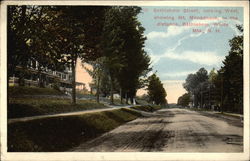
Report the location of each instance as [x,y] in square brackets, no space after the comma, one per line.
[76,24]
[98,75]
[213,92]
[17,37]
[184,100]
[31,38]
[156,91]
[135,60]
[112,46]
[212,75]
[196,84]
[123,42]
[232,75]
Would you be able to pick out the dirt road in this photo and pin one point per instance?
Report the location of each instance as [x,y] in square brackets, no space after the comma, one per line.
[171,130]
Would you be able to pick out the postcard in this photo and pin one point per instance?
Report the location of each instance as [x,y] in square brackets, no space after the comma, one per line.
[124,80]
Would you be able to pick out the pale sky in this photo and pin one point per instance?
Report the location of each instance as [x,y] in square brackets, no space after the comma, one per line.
[177,51]
[82,75]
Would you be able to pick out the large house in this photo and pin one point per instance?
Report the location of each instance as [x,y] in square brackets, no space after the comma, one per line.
[31,76]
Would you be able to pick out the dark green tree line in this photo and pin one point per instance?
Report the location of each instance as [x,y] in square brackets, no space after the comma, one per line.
[123,59]
[54,36]
[184,100]
[231,76]
[156,91]
[224,88]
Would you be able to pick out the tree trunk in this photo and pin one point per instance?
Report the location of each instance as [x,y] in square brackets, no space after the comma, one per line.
[73,96]
[121,96]
[21,79]
[111,91]
[132,100]
[126,97]
[98,90]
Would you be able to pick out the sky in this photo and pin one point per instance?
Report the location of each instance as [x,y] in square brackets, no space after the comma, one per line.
[178,49]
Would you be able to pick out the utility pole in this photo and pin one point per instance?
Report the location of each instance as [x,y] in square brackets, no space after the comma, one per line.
[209,98]
[201,98]
[221,99]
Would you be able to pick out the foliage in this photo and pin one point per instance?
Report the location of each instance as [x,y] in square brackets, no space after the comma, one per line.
[156,91]
[17,31]
[98,74]
[123,60]
[232,75]
[196,84]
[212,75]
[54,36]
[136,61]
[223,88]
[184,100]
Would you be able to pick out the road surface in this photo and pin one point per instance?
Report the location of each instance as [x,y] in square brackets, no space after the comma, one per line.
[171,130]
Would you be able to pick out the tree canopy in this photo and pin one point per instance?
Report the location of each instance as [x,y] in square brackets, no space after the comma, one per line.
[223,88]
[184,100]
[156,91]
[54,36]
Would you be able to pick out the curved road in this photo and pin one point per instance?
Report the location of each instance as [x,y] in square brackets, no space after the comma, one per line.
[171,130]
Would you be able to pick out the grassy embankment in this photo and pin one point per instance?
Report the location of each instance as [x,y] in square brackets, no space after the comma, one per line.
[23,102]
[59,133]
[65,132]
[20,91]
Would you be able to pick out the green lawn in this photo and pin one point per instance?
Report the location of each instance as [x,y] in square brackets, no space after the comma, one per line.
[20,91]
[23,107]
[29,101]
[63,133]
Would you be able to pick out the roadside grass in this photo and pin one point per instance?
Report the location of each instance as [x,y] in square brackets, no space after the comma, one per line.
[20,91]
[235,115]
[147,108]
[65,132]
[141,101]
[228,114]
[24,107]
[198,109]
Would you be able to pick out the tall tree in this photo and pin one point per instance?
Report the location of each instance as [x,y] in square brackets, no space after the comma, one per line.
[98,73]
[156,91]
[31,38]
[17,31]
[112,46]
[136,61]
[76,26]
[232,75]
[184,100]
[196,85]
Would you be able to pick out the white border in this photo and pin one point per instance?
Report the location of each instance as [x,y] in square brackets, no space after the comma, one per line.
[6,156]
